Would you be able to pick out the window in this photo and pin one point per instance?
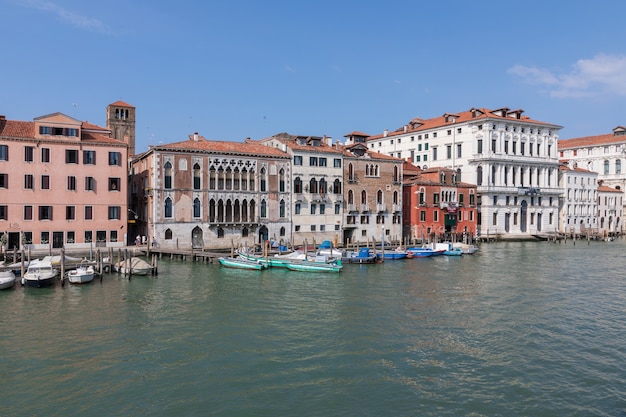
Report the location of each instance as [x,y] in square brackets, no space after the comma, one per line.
[89,157]
[263,209]
[479,145]
[115,212]
[196,176]
[45,212]
[606,167]
[313,208]
[297,185]
[71,156]
[168,207]
[281,181]
[297,160]
[337,163]
[88,212]
[322,162]
[113,236]
[4,212]
[322,208]
[90,183]
[337,208]
[458,150]
[114,184]
[45,182]
[70,237]
[28,212]
[28,153]
[70,212]
[313,228]
[313,161]
[449,152]
[4,180]
[4,152]
[44,237]
[297,208]
[282,208]
[88,236]
[434,153]
[45,155]
[263,180]
[167,171]
[71,183]
[196,207]
[618,166]
[115,158]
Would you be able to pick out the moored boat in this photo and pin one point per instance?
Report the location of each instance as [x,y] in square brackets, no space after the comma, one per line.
[466,249]
[363,256]
[7,279]
[242,263]
[312,266]
[424,252]
[392,254]
[40,273]
[134,265]
[81,275]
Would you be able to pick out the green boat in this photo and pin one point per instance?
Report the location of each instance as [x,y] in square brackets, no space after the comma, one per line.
[307,266]
[241,263]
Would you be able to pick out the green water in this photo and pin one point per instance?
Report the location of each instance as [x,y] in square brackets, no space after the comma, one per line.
[521,329]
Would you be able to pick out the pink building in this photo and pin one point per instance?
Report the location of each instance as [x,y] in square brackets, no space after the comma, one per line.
[63,182]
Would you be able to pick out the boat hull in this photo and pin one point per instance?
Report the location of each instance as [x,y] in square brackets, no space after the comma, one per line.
[35,282]
[242,264]
[7,280]
[312,267]
[81,275]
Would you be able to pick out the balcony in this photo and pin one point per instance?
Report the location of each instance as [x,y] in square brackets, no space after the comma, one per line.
[365,208]
[351,208]
[381,208]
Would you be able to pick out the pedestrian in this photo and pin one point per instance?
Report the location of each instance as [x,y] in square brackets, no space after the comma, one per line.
[137,240]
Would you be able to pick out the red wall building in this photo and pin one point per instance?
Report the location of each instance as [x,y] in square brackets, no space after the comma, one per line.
[436,204]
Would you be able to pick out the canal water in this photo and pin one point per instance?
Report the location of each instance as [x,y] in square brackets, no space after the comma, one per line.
[520,329]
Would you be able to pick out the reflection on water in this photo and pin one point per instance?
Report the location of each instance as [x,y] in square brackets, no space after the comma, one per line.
[520,329]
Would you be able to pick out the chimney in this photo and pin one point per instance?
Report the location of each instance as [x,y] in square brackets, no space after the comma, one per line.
[405,128]
[195,136]
[2,117]
[385,133]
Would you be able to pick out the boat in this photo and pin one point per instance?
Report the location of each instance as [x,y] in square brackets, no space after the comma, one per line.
[448,249]
[392,254]
[363,256]
[425,251]
[40,273]
[81,275]
[242,263]
[467,249]
[7,279]
[312,266]
[137,266]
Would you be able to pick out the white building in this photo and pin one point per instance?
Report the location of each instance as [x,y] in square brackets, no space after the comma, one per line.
[604,154]
[610,210]
[511,158]
[579,202]
[316,186]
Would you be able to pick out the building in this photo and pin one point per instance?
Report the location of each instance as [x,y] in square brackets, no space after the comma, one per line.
[604,154]
[436,205]
[510,157]
[578,207]
[372,194]
[316,186]
[63,183]
[212,194]
[610,210]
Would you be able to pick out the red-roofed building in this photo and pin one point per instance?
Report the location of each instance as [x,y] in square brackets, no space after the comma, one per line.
[62,183]
[604,154]
[510,157]
[206,194]
[437,206]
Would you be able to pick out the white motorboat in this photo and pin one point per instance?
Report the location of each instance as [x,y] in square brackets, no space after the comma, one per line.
[7,279]
[40,273]
[81,275]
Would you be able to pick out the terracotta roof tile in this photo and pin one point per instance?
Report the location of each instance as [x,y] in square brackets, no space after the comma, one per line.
[608,189]
[251,148]
[17,129]
[121,103]
[448,119]
[597,140]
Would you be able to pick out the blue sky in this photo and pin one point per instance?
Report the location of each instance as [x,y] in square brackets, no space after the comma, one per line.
[242,68]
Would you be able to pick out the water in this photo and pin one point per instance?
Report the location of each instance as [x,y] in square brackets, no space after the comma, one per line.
[521,329]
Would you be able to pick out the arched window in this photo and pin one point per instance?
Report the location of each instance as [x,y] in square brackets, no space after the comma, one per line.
[350,172]
[281,180]
[313,185]
[479,175]
[229,178]
[168,234]
[606,166]
[212,178]
[196,176]
[237,211]
[282,231]
[196,207]
[220,211]
[244,232]
[458,175]
[263,209]
[350,197]
[168,207]
[395,197]
[618,166]
[229,211]
[297,185]
[282,208]
[220,178]
[167,173]
[363,197]
[244,211]
[379,197]
[323,187]
[220,233]
[493,175]
[263,180]
[337,186]
[396,174]
[211,211]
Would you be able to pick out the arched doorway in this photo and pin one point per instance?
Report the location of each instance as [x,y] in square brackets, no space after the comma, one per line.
[263,234]
[523,214]
[196,238]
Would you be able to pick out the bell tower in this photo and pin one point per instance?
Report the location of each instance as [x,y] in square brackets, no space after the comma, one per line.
[121,122]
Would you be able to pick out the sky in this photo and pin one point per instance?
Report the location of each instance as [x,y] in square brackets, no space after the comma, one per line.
[235,69]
